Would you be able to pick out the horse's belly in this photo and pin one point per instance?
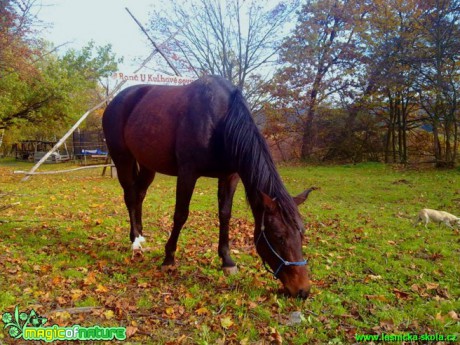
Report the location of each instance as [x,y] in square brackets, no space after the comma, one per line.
[160,161]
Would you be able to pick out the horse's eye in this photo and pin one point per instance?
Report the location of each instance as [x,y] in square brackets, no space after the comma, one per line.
[281,240]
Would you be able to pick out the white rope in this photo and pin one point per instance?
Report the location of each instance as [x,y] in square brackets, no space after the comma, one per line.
[61,171]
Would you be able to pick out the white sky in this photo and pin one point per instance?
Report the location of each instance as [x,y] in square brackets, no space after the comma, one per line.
[104,21]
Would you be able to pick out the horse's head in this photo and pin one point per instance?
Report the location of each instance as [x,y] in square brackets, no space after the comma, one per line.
[279,244]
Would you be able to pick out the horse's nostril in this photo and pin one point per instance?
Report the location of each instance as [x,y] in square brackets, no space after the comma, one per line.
[303,293]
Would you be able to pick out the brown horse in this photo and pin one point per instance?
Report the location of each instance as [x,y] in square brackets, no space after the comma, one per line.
[205,129]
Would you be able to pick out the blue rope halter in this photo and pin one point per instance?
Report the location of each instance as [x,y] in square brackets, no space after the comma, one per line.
[283,262]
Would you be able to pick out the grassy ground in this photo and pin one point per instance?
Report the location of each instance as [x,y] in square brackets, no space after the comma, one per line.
[65,252]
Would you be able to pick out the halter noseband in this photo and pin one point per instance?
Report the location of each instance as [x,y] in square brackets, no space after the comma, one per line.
[283,262]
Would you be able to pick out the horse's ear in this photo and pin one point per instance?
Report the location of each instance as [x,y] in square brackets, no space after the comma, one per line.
[270,205]
[300,199]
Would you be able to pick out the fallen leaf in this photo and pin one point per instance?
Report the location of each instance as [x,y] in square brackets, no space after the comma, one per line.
[109,314]
[226,322]
[276,337]
[387,325]
[90,279]
[101,288]
[61,300]
[453,315]
[57,280]
[401,294]
[221,341]
[252,305]
[76,294]
[62,315]
[415,288]
[130,331]
[202,311]
[431,286]
[244,341]
[375,277]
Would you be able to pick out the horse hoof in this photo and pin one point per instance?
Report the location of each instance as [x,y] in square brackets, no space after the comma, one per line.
[228,271]
[168,268]
[138,255]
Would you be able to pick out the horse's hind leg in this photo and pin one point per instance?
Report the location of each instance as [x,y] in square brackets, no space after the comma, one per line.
[226,191]
[135,181]
[144,179]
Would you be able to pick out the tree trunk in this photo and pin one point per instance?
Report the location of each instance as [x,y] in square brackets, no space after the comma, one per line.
[437,144]
[400,143]
[308,137]
[456,139]
[390,130]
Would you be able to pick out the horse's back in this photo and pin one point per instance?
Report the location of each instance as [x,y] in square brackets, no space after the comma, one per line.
[166,127]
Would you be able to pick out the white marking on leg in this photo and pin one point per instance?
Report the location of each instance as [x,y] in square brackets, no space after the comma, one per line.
[137,243]
[141,238]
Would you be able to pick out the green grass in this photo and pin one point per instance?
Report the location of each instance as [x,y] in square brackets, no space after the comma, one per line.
[66,246]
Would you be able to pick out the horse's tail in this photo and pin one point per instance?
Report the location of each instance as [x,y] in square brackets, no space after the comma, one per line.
[113,124]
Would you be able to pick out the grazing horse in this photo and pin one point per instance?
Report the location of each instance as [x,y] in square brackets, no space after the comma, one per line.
[205,129]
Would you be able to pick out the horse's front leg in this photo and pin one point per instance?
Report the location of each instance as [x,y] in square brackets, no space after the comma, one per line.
[226,191]
[185,186]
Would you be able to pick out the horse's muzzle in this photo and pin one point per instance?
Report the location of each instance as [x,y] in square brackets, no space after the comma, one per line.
[303,293]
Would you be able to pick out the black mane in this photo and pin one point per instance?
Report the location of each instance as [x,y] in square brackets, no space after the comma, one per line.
[248,150]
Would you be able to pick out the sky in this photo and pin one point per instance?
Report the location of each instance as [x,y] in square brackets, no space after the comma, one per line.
[76,22]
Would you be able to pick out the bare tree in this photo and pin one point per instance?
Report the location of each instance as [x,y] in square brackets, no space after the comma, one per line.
[232,38]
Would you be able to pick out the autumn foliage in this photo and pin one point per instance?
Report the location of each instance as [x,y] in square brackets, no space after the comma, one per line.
[365,80]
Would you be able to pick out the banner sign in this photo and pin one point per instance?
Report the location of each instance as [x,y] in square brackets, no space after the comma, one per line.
[153,78]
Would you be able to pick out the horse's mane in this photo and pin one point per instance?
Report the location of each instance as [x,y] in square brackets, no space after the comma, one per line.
[248,152]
